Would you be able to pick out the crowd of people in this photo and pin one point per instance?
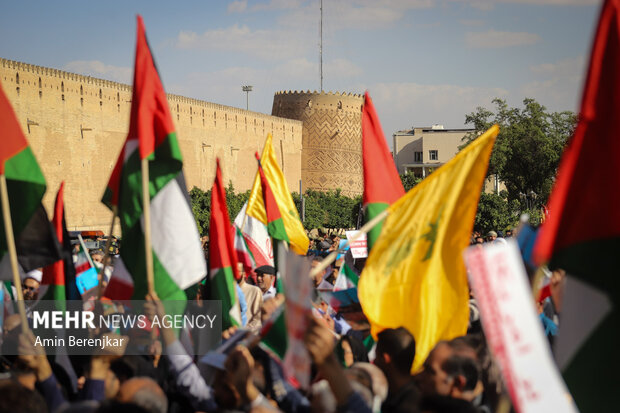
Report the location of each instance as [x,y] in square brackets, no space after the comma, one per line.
[351,372]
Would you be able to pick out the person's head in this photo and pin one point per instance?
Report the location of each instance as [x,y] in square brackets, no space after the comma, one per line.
[450,370]
[30,288]
[350,350]
[265,275]
[144,392]
[508,233]
[241,272]
[491,236]
[97,256]
[316,261]
[16,398]
[479,240]
[395,352]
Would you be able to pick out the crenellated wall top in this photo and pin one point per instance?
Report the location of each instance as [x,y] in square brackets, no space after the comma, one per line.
[61,74]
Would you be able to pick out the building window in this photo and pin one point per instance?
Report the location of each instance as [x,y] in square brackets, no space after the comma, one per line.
[81,91]
[100,94]
[39,83]
[82,102]
[17,78]
[433,156]
[417,157]
[62,87]
[118,97]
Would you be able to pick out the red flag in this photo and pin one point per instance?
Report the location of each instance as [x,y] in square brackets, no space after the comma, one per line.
[583,226]
[150,122]
[10,128]
[222,253]
[382,185]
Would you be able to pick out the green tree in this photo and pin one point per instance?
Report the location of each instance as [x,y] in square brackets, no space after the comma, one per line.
[528,148]
[201,207]
[409,180]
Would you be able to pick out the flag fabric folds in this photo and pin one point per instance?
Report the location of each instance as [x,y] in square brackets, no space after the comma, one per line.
[382,185]
[60,276]
[293,228]
[256,237]
[222,256]
[178,260]
[34,238]
[244,253]
[415,276]
[582,231]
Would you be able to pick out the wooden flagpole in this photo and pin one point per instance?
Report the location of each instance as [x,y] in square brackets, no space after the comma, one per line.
[146,205]
[12,251]
[334,254]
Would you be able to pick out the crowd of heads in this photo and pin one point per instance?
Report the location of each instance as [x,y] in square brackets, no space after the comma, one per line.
[351,370]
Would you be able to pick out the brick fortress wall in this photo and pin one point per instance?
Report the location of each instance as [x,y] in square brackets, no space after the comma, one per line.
[77,124]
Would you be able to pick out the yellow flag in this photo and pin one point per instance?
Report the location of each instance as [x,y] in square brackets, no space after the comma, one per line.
[415,276]
[256,207]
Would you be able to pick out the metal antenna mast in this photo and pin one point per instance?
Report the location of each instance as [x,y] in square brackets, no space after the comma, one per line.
[321,46]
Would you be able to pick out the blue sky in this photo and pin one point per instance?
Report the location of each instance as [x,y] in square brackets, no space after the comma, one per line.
[423,61]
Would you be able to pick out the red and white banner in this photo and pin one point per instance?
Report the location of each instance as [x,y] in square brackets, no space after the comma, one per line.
[513,329]
[359,247]
[298,292]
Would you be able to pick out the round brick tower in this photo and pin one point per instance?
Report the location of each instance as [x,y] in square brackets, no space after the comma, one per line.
[331,155]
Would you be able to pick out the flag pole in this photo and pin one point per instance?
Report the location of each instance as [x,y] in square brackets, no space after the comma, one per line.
[10,241]
[334,254]
[146,205]
[106,256]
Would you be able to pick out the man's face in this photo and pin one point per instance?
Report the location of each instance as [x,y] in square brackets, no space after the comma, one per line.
[241,272]
[30,288]
[264,281]
[97,258]
[433,380]
[319,277]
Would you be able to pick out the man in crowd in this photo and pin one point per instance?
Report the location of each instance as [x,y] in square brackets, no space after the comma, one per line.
[394,356]
[30,285]
[254,300]
[265,276]
[319,282]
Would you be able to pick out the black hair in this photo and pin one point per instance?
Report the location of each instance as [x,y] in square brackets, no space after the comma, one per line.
[399,344]
[462,366]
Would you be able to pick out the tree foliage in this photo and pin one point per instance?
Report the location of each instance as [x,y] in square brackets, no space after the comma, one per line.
[528,148]
[409,181]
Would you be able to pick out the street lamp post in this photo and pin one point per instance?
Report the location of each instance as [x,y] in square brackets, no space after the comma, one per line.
[247,89]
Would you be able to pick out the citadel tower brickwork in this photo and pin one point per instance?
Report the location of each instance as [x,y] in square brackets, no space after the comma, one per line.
[77,124]
[331,138]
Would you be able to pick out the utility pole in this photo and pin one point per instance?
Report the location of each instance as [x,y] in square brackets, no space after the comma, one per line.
[247,89]
[321,46]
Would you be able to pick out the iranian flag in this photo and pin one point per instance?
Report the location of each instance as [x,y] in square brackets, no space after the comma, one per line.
[222,256]
[60,276]
[382,185]
[178,260]
[34,239]
[244,253]
[256,237]
[347,276]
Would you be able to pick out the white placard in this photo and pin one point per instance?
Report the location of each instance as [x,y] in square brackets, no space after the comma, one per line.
[513,329]
[298,292]
[359,247]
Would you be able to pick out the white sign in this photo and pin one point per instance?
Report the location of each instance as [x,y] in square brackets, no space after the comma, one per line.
[298,292]
[359,247]
[514,330]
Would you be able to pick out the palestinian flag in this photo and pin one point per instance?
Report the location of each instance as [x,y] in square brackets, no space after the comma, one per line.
[60,276]
[244,253]
[291,230]
[382,185]
[178,260]
[35,241]
[582,232]
[275,224]
[222,256]
[274,338]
